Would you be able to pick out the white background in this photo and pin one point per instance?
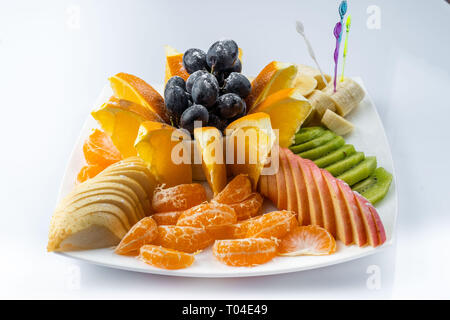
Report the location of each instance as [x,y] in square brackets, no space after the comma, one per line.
[54,64]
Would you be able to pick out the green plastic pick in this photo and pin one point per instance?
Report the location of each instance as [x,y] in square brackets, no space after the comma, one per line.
[348,23]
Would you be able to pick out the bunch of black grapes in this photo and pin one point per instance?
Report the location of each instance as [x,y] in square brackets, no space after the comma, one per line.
[215,91]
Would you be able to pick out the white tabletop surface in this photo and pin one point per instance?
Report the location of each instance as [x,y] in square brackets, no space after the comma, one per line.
[55,57]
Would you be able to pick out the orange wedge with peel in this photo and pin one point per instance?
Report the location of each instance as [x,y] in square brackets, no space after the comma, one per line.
[248,144]
[288,109]
[274,77]
[129,87]
[166,151]
[174,64]
[121,119]
[210,144]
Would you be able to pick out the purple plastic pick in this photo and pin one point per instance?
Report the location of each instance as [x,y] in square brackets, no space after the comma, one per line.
[337,33]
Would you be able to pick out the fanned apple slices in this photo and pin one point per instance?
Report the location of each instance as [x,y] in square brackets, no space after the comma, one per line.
[100,211]
[320,199]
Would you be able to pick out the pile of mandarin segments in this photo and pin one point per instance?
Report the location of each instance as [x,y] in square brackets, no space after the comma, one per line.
[185,223]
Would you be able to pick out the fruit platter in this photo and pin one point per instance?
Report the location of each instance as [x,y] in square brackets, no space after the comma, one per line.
[213,173]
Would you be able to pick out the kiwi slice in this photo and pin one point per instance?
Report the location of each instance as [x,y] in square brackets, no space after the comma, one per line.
[327,136]
[360,171]
[335,156]
[346,164]
[376,186]
[307,134]
[324,149]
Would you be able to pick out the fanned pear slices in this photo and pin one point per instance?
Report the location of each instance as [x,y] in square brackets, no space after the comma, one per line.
[121,119]
[249,142]
[166,151]
[288,109]
[324,201]
[99,212]
[210,144]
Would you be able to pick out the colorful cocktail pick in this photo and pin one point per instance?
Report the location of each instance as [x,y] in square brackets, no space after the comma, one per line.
[347,30]
[301,30]
[337,33]
[342,12]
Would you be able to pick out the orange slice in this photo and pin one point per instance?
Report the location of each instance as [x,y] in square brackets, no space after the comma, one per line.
[174,64]
[210,144]
[249,142]
[121,120]
[99,149]
[164,258]
[274,77]
[288,109]
[307,240]
[166,151]
[129,87]
[245,252]
[143,232]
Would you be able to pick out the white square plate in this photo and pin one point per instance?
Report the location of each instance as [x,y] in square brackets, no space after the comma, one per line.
[368,136]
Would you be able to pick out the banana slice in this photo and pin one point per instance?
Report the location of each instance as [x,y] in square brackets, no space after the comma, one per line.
[336,123]
[347,97]
[305,84]
[305,70]
[321,102]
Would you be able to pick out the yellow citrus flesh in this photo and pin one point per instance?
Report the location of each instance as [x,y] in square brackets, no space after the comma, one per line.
[210,144]
[165,150]
[287,109]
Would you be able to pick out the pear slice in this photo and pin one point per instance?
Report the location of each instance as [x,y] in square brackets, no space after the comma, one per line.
[368,220]
[282,197]
[92,231]
[300,189]
[313,194]
[290,186]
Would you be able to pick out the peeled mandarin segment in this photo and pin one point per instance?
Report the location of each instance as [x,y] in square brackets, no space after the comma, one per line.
[288,109]
[273,224]
[214,217]
[185,239]
[121,120]
[98,149]
[307,240]
[167,218]
[142,233]
[249,142]
[248,208]
[237,190]
[239,230]
[134,89]
[274,77]
[164,258]
[245,252]
[174,64]
[166,152]
[180,197]
[210,143]
[89,171]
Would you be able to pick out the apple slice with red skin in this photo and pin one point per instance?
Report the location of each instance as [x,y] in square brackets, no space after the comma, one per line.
[262,186]
[290,187]
[313,194]
[325,198]
[343,225]
[272,188]
[359,232]
[281,187]
[378,223]
[300,189]
[368,220]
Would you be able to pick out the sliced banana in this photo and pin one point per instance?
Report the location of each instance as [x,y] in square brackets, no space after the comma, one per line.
[305,70]
[336,123]
[321,102]
[305,84]
[347,97]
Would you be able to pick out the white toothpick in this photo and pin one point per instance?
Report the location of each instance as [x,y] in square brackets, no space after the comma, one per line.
[301,30]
